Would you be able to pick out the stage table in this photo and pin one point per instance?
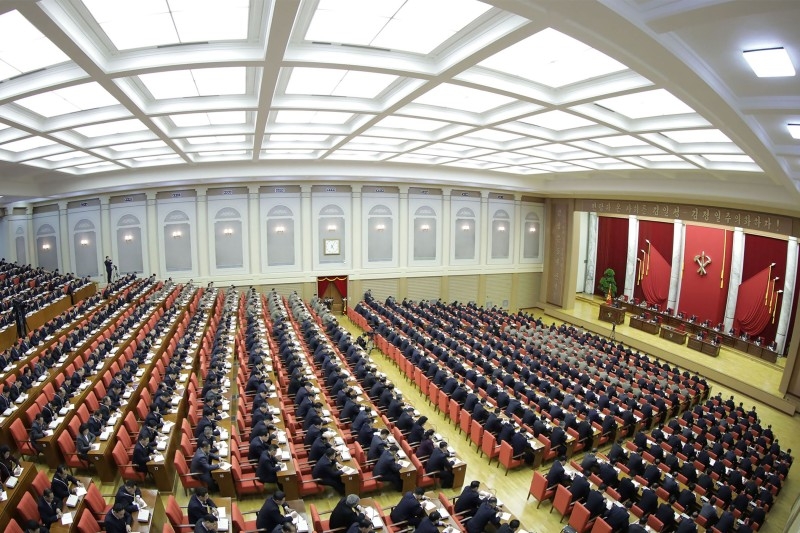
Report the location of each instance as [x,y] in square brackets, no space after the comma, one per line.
[609,313]
[671,334]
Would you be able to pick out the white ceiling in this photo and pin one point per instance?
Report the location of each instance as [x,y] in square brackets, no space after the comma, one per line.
[620,98]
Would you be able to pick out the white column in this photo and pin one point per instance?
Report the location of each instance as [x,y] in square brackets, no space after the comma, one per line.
[633,252]
[483,239]
[357,235]
[735,278]
[254,229]
[63,237]
[517,232]
[788,294]
[591,254]
[403,217]
[151,239]
[447,246]
[202,232]
[30,239]
[105,229]
[306,228]
[677,266]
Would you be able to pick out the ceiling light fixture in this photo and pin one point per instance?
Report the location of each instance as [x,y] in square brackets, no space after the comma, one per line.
[794,130]
[770,62]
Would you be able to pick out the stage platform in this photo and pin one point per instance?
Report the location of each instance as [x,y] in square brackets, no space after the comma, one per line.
[735,370]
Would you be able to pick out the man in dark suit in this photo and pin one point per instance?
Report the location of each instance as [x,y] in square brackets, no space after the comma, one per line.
[439,462]
[49,511]
[273,513]
[328,471]
[469,500]
[666,514]
[128,494]
[117,520]
[388,469]
[618,517]
[269,466]
[346,513]
[595,502]
[487,513]
[203,466]
[409,510]
[141,453]
[556,474]
[580,488]
[648,501]
[200,505]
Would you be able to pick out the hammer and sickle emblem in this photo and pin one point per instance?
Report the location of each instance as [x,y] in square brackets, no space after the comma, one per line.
[702,261]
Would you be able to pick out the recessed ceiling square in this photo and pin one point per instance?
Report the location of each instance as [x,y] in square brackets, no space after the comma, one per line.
[552,59]
[697,136]
[68,100]
[655,103]
[451,96]
[23,48]
[337,82]
[557,120]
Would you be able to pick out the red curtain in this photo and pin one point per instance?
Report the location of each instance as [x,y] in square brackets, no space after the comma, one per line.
[612,250]
[759,253]
[339,281]
[655,282]
[660,235]
[706,296]
[752,304]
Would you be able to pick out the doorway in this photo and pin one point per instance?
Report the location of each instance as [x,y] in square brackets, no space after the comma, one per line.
[333,289]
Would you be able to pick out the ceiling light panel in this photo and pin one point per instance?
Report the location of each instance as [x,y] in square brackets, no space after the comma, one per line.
[620,141]
[448,95]
[655,103]
[23,48]
[552,59]
[196,82]
[221,139]
[408,123]
[111,128]
[770,62]
[366,139]
[662,158]
[289,137]
[492,135]
[138,146]
[697,136]
[557,148]
[68,100]
[417,26]
[337,82]
[26,144]
[169,21]
[311,117]
[220,118]
[557,121]
[732,158]
[794,130]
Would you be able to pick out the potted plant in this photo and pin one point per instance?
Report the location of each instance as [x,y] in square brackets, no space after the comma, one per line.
[607,284]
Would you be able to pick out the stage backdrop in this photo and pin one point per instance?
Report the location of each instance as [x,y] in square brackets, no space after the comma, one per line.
[652,282]
[705,295]
[758,299]
[612,250]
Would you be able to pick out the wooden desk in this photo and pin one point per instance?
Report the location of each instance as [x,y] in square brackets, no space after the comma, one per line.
[644,325]
[608,313]
[8,508]
[703,346]
[671,334]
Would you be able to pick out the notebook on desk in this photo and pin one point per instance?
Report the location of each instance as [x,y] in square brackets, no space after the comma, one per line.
[72,500]
[143,515]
